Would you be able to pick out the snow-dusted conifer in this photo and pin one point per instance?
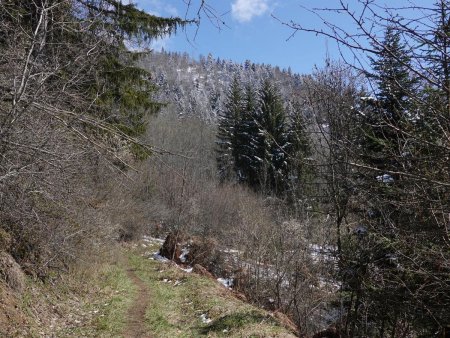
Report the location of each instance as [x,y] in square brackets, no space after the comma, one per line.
[249,138]
[273,141]
[227,136]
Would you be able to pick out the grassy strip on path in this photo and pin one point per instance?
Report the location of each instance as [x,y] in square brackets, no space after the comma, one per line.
[108,307]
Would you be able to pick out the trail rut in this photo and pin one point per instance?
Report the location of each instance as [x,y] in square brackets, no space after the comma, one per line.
[136,315]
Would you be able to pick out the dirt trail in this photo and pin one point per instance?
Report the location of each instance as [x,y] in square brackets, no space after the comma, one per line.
[136,315]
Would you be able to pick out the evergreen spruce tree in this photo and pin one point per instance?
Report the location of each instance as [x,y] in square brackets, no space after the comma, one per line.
[395,216]
[121,83]
[385,145]
[438,57]
[402,140]
[391,110]
[272,144]
[253,139]
[228,137]
[249,139]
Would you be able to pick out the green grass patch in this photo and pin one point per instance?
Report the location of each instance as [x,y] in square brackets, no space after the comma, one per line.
[107,310]
[121,294]
[236,321]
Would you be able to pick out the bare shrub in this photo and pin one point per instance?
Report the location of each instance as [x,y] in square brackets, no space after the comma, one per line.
[206,252]
[5,240]
[198,269]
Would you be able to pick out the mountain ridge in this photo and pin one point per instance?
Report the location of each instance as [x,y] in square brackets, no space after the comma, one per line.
[199,88]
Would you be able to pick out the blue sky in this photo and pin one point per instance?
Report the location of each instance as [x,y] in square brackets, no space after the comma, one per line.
[251,32]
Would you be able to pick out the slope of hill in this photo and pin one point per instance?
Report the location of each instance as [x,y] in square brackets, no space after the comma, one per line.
[199,87]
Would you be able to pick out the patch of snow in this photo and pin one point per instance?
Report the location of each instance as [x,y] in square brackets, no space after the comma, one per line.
[329,284]
[285,283]
[231,251]
[188,270]
[157,257]
[385,178]
[227,282]
[146,239]
[184,253]
[322,253]
[369,98]
[150,239]
[204,318]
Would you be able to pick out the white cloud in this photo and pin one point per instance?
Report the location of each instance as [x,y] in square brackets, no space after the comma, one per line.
[245,10]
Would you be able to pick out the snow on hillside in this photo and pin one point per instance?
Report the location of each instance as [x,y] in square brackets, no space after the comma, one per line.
[199,88]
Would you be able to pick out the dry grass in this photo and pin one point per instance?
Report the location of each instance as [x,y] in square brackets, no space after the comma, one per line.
[11,273]
[89,301]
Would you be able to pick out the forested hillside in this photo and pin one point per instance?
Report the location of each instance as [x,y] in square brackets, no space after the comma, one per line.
[199,88]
